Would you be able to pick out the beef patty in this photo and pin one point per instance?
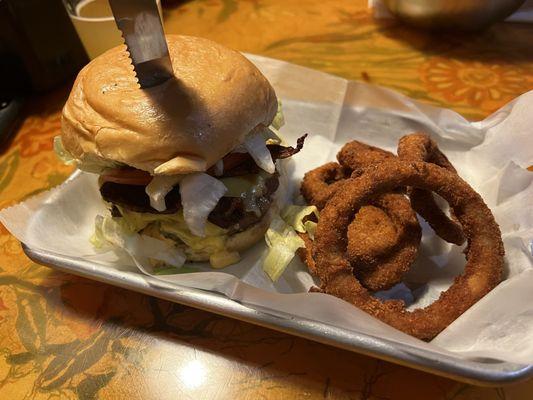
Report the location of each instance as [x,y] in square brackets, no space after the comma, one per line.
[230,212]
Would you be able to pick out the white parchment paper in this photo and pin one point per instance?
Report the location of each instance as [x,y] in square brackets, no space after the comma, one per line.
[491,155]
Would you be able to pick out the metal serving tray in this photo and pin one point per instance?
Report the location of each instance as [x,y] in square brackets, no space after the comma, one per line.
[481,372]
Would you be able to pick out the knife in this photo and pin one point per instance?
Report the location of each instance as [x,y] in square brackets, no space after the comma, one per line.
[141,27]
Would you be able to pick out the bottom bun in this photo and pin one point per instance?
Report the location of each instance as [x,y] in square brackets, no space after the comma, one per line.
[244,240]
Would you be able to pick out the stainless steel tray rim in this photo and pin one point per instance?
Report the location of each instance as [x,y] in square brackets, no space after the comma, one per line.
[485,373]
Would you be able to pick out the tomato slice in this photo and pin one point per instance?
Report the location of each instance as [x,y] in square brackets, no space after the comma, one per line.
[127,176]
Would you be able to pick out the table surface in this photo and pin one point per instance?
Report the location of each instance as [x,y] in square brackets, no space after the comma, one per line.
[66,337]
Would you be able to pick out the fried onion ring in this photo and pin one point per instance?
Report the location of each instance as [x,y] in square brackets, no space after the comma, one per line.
[484,254]
[371,234]
[319,184]
[420,147]
[384,236]
[383,242]
[357,156]
[389,230]
[306,253]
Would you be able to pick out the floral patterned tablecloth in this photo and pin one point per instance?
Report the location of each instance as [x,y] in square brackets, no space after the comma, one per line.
[66,337]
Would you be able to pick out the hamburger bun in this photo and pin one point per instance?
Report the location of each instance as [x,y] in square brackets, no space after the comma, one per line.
[182,126]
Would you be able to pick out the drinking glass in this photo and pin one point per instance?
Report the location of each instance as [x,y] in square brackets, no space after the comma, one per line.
[94,23]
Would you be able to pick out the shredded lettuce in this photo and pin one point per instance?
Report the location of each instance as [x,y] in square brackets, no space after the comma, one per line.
[279,119]
[256,146]
[132,222]
[159,187]
[172,228]
[145,251]
[89,163]
[274,137]
[209,244]
[310,228]
[156,248]
[294,216]
[269,134]
[283,241]
[98,239]
[200,194]
[174,225]
[61,153]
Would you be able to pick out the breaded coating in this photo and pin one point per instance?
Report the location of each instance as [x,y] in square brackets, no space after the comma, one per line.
[420,147]
[484,266]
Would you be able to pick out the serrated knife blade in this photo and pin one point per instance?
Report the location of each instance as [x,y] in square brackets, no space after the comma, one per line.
[141,27]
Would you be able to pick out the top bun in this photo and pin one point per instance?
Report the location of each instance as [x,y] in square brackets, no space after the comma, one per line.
[184,125]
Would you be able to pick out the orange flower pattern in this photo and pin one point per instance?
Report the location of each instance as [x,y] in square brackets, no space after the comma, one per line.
[36,135]
[477,84]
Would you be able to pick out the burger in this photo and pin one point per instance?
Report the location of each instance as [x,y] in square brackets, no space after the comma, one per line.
[189,168]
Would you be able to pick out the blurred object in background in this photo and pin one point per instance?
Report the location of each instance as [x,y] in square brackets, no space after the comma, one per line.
[467,15]
[39,49]
[173,3]
[10,117]
[524,13]
[95,24]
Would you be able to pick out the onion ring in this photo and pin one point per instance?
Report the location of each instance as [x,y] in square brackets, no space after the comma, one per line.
[372,233]
[357,156]
[396,243]
[420,147]
[319,184]
[306,253]
[317,188]
[383,242]
[484,254]
[384,236]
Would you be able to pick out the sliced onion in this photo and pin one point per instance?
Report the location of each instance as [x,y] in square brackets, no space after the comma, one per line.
[219,167]
[200,194]
[159,187]
[256,146]
[240,148]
